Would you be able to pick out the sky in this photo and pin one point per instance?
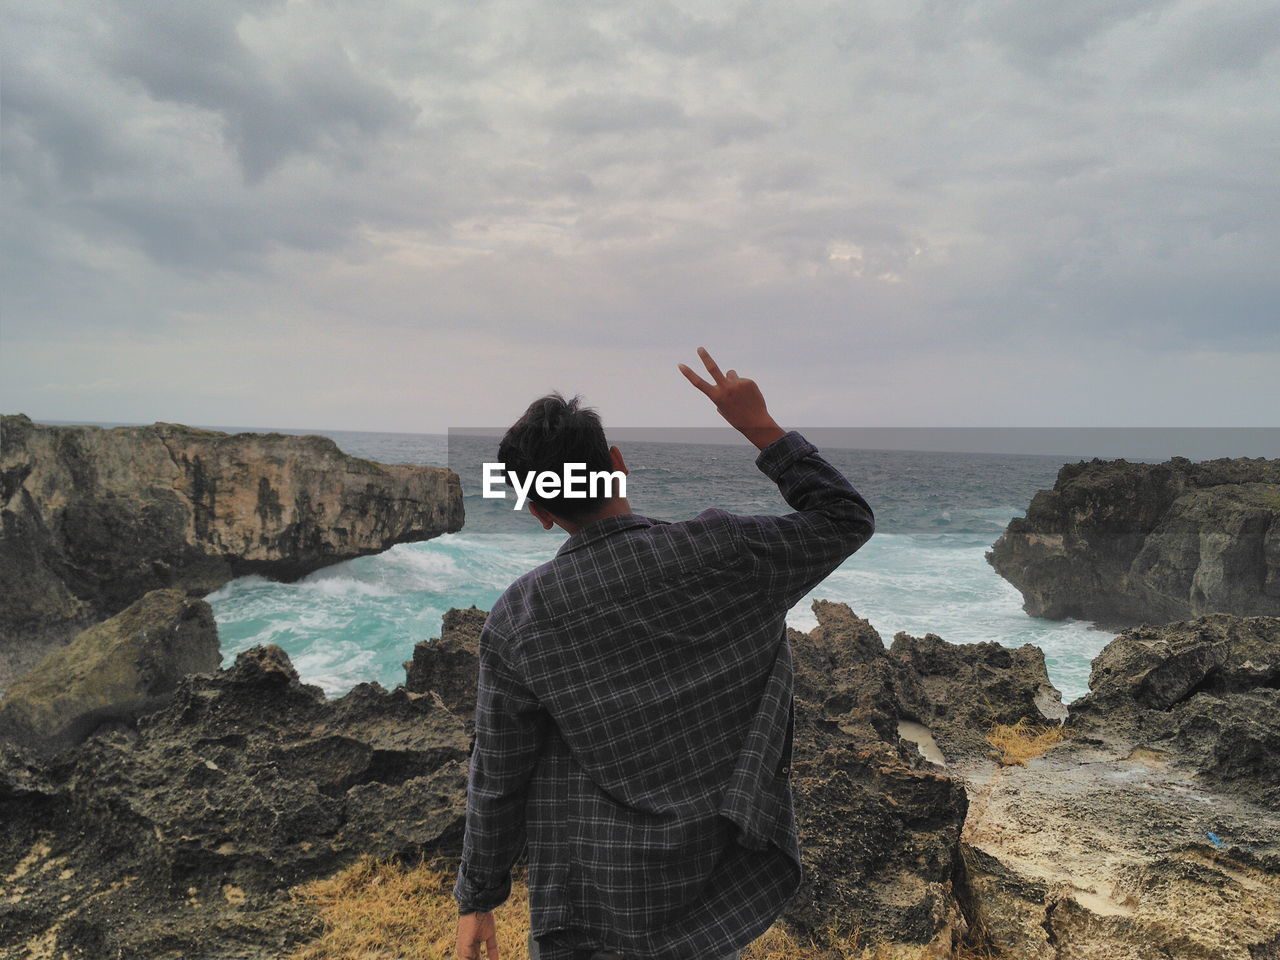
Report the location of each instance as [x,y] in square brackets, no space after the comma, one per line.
[407,216]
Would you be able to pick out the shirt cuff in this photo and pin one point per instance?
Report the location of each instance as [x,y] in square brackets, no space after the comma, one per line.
[774,459]
[472,898]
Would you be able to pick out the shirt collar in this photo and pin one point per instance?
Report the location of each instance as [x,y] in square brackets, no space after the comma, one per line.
[604,528]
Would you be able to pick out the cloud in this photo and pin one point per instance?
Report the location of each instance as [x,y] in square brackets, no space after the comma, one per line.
[879,187]
[276,98]
[1060,30]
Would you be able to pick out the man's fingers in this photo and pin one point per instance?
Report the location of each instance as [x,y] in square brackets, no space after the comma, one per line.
[711,365]
[732,374]
[493,947]
[469,938]
[696,380]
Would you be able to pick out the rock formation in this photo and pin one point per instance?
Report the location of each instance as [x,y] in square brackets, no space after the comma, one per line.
[1145,833]
[184,835]
[95,518]
[1152,829]
[1121,543]
[879,825]
[114,671]
[450,664]
[1203,694]
[961,690]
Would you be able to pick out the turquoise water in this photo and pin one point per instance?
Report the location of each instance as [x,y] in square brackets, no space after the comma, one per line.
[923,571]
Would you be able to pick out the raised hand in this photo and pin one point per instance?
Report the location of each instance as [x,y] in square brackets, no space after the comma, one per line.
[738,400]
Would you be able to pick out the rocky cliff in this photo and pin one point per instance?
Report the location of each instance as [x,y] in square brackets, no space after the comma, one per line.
[95,518]
[184,833]
[1121,543]
[1152,829]
[186,830]
[1203,694]
[182,836]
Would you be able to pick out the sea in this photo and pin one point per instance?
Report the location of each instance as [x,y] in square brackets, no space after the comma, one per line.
[924,570]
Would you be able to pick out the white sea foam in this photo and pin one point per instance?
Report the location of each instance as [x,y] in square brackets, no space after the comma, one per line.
[336,585]
[359,620]
[902,582]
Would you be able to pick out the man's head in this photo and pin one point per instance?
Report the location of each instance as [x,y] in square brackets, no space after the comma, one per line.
[555,431]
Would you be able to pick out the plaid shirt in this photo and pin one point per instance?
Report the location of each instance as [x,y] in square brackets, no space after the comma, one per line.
[634,723]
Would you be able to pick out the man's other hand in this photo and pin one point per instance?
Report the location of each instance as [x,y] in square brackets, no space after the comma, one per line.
[475,930]
[739,401]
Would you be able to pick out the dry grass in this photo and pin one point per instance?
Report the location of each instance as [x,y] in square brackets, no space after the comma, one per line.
[1019,742]
[388,911]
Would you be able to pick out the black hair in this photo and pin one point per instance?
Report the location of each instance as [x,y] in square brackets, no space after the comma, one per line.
[555,431]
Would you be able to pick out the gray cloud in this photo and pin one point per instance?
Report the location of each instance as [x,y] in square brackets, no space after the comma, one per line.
[927,193]
[593,114]
[1059,30]
[280,101]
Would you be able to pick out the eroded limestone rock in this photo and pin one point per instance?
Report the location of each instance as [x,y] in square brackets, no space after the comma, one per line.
[1206,692]
[114,671]
[962,690]
[1122,543]
[94,518]
[184,835]
[450,664]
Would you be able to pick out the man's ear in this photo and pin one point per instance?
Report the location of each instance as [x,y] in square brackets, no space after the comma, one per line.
[615,457]
[543,517]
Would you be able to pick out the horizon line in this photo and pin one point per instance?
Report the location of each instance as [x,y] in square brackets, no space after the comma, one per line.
[725,436]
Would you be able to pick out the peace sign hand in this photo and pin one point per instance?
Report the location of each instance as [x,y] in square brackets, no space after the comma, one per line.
[738,400]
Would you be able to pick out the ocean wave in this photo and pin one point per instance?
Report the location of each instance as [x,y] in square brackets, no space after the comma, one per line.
[359,620]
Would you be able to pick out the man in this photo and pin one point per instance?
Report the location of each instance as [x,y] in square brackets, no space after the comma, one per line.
[634,715]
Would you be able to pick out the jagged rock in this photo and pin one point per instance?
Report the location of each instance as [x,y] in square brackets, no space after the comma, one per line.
[1205,691]
[450,664]
[113,671]
[1147,831]
[183,835]
[879,825]
[956,691]
[1094,852]
[963,689]
[94,518]
[411,735]
[842,666]
[427,812]
[1122,543]
[879,828]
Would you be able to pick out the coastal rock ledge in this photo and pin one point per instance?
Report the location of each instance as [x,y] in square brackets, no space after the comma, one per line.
[1121,543]
[95,518]
[186,832]
[111,673]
